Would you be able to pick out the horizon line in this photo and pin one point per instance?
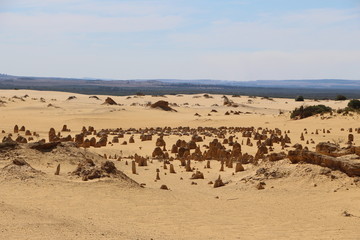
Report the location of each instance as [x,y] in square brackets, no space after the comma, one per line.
[177,79]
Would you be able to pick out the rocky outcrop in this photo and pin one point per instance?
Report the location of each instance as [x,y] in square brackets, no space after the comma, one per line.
[8,143]
[16,129]
[357,150]
[20,169]
[141,161]
[188,166]
[87,170]
[109,101]
[158,153]
[79,139]
[174,149]
[65,129]
[57,171]
[21,139]
[102,142]
[239,167]
[197,175]
[160,142]
[172,170]
[43,146]
[218,182]
[133,167]
[52,135]
[276,156]
[347,165]
[71,98]
[163,105]
[262,150]
[333,150]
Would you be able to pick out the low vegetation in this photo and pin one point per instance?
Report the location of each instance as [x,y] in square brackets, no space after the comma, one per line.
[340,98]
[354,104]
[299,99]
[308,111]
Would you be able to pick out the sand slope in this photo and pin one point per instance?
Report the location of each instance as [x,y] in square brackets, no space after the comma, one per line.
[303,202]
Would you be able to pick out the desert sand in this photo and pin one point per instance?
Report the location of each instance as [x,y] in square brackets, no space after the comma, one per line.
[267,199]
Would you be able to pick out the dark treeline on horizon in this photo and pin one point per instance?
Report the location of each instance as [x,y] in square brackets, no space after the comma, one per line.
[313,89]
[196,89]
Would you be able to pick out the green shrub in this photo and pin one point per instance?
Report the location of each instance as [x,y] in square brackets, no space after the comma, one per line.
[299,99]
[354,104]
[340,98]
[304,112]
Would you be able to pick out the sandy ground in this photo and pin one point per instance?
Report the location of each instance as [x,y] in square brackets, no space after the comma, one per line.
[304,204]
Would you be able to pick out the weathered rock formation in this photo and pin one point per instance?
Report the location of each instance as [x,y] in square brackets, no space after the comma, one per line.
[333,150]
[218,182]
[197,175]
[163,105]
[87,170]
[109,101]
[239,167]
[350,166]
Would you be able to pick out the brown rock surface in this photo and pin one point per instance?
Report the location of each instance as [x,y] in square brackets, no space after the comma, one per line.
[163,105]
[349,166]
[109,101]
[218,182]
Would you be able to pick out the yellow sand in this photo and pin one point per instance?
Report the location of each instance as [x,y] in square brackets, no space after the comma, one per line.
[303,205]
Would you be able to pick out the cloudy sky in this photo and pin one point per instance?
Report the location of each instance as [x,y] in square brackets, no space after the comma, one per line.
[183,39]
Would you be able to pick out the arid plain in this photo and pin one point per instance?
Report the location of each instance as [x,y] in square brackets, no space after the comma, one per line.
[274,177]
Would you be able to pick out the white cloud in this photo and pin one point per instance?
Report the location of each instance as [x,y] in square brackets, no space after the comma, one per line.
[313,29]
[93,7]
[73,23]
[128,64]
[140,39]
[321,16]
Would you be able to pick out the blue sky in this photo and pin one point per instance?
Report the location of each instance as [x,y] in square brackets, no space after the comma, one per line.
[183,39]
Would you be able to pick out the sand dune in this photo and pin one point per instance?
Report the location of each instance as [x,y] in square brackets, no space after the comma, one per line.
[298,201]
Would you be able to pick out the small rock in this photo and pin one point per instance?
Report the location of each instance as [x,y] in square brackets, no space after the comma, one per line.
[164,187]
[260,186]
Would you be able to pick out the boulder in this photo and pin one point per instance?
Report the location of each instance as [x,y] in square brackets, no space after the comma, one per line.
[174,149]
[158,153]
[172,170]
[109,101]
[160,142]
[65,129]
[163,105]
[197,175]
[79,139]
[218,182]
[239,167]
[52,135]
[21,139]
[16,129]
